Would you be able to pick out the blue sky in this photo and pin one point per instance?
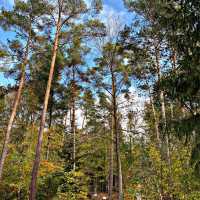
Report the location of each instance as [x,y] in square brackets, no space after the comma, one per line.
[110,6]
[115,4]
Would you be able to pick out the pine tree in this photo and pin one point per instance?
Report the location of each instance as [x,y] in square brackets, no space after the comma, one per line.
[22,19]
[65,11]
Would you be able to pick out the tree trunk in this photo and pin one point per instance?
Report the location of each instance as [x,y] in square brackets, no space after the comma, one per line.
[172,110]
[50,122]
[163,114]
[162,101]
[14,109]
[10,123]
[36,163]
[73,123]
[119,167]
[117,137]
[163,111]
[155,122]
[74,135]
[110,183]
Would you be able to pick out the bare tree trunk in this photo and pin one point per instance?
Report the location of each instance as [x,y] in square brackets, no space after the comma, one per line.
[162,101]
[120,183]
[36,163]
[49,131]
[117,137]
[83,122]
[163,111]
[155,121]
[158,141]
[73,122]
[10,123]
[164,120]
[74,135]
[172,110]
[74,141]
[110,186]
[14,109]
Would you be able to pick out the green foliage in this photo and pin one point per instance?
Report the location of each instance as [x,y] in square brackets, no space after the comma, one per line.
[63,185]
[158,52]
[74,187]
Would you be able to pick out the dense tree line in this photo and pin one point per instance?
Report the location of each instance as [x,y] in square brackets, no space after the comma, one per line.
[99,109]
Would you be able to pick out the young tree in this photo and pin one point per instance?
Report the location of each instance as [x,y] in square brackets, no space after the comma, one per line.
[40,64]
[64,11]
[112,77]
[75,59]
[22,19]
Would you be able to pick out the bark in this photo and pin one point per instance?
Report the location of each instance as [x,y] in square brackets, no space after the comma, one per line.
[156,123]
[14,109]
[73,122]
[163,112]
[172,110]
[162,101]
[110,186]
[117,136]
[159,142]
[74,140]
[36,163]
[50,122]
[83,122]
[10,123]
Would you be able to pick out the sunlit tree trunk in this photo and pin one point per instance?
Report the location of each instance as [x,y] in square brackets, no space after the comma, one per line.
[156,122]
[14,109]
[159,142]
[163,113]
[110,184]
[117,136]
[49,131]
[36,163]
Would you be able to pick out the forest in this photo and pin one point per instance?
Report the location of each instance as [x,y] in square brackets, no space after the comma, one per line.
[100,99]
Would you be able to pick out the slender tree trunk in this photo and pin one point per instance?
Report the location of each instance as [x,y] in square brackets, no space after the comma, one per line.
[14,109]
[36,163]
[74,135]
[155,122]
[172,110]
[117,137]
[162,101]
[119,167]
[49,132]
[10,123]
[158,142]
[73,123]
[163,114]
[110,184]
[83,122]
